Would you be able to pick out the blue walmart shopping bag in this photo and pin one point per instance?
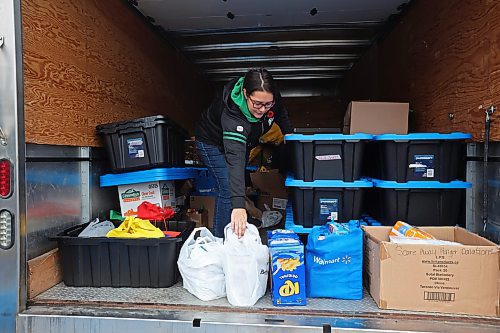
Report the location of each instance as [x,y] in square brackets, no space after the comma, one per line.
[334,261]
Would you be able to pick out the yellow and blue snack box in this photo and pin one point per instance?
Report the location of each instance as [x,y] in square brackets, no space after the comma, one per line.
[288,271]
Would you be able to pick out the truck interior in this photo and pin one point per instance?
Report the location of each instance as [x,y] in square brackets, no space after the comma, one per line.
[91,62]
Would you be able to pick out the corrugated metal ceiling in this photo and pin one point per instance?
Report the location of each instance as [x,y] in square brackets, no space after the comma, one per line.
[295,39]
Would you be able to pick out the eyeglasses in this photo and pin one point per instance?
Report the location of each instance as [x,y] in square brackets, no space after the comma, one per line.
[258,105]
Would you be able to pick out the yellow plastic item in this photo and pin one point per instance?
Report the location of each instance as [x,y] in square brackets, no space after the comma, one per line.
[403,229]
[133,227]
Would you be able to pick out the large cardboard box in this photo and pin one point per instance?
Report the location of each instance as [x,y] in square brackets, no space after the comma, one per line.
[161,193]
[453,279]
[206,203]
[376,118]
[272,190]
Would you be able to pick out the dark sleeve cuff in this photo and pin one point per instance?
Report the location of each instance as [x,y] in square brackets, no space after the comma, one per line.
[238,202]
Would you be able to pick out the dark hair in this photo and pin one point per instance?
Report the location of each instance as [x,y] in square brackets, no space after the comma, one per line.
[259,79]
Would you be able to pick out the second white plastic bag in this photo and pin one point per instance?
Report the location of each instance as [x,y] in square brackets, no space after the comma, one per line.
[201,265]
[246,265]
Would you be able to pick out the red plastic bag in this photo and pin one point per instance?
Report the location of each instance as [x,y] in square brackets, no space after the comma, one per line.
[153,213]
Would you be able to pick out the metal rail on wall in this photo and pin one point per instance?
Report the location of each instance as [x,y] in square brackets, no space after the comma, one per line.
[487,124]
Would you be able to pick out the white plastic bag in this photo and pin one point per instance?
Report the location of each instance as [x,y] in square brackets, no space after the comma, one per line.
[246,266]
[97,228]
[200,264]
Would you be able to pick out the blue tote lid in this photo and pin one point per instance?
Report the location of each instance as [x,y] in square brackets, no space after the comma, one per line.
[327,137]
[423,136]
[290,181]
[456,184]
[143,176]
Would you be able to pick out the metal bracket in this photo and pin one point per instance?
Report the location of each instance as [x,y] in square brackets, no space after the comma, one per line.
[3,138]
[489,111]
[487,124]
[1,41]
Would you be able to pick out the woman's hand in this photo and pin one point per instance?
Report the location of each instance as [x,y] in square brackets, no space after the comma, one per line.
[239,221]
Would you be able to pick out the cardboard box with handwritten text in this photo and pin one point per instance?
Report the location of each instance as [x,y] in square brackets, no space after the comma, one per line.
[452,278]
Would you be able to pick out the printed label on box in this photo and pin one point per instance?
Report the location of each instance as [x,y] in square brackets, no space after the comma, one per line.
[279,203]
[168,193]
[135,148]
[329,210]
[423,166]
[131,196]
[328,157]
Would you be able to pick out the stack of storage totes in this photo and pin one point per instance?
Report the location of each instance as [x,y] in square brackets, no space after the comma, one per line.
[420,178]
[326,185]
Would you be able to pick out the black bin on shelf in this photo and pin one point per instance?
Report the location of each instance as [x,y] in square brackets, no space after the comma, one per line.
[417,203]
[420,157]
[327,156]
[113,262]
[143,143]
[322,201]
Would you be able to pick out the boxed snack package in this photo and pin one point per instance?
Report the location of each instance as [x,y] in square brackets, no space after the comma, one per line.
[287,269]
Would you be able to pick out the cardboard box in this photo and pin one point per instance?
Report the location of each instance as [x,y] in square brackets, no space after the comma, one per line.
[161,193]
[376,118]
[272,190]
[199,217]
[273,202]
[452,279]
[271,182]
[206,203]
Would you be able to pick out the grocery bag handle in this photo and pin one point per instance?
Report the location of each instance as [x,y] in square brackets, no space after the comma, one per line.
[251,231]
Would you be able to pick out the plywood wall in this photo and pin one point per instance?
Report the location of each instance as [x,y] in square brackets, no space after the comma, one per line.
[444,58]
[314,111]
[90,62]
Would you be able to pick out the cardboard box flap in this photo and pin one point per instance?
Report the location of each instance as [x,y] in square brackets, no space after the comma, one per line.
[452,234]
[442,233]
[271,182]
[467,238]
[378,234]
